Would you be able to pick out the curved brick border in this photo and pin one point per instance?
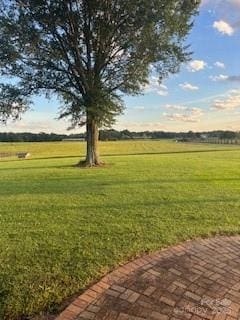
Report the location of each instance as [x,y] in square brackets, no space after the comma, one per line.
[198,279]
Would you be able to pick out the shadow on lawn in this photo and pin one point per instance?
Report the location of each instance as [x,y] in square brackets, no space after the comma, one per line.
[127,154]
[104,189]
[37,168]
[142,153]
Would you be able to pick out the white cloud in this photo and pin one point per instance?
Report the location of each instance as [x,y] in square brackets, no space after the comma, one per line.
[140,126]
[155,87]
[220,77]
[223,27]
[175,107]
[234,78]
[188,86]
[190,114]
[231,102]
[224,77]
[196,65]
[139,108]
[219,64]
[35,121]
[162,90]
[35,126]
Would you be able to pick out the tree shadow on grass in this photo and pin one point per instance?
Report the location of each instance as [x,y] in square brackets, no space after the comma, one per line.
[37,168]
[125,154]
[104,189]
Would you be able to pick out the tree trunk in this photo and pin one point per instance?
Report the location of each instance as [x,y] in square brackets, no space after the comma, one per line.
[92,157]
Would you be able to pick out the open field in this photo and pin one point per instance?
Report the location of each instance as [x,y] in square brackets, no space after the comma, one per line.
[63,227]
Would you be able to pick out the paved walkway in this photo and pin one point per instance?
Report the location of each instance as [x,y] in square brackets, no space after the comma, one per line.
[196,280]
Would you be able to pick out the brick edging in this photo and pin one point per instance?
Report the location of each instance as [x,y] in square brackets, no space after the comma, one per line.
[92,294]
[81,303]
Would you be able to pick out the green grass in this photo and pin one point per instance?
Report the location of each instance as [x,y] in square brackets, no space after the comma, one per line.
[63,227]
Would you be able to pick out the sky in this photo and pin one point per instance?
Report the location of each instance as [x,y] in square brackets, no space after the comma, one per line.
[203,96]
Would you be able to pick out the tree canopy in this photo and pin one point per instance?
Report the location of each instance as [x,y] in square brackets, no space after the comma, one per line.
[88,53]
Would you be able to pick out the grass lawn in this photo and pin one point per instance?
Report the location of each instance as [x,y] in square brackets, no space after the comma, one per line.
[63,227]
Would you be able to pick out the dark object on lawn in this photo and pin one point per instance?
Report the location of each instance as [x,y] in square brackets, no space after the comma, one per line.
[19,155]
[22,155]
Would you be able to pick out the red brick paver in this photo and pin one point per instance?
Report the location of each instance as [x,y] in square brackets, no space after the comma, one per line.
[196,280]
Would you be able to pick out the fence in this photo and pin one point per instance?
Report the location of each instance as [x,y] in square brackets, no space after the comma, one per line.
[220,141]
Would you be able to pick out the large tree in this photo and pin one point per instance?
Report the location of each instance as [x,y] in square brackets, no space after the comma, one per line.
[88,53]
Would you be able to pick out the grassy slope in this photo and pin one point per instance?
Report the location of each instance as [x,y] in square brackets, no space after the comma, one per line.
[61,227]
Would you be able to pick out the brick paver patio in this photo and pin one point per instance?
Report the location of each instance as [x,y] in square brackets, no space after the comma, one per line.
[196,280]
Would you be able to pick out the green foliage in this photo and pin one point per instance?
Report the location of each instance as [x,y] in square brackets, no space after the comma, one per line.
[88,52]
[12,102]
[228,135]
[61,227]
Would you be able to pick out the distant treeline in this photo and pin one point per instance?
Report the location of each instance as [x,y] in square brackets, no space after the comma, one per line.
[190,135]
[112,135]
[36,137]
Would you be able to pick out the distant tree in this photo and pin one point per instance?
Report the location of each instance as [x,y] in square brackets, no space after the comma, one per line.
[126,134]
[228,135]
[88,53]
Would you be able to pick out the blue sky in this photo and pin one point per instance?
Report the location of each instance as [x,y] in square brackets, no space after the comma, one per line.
[205,95]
